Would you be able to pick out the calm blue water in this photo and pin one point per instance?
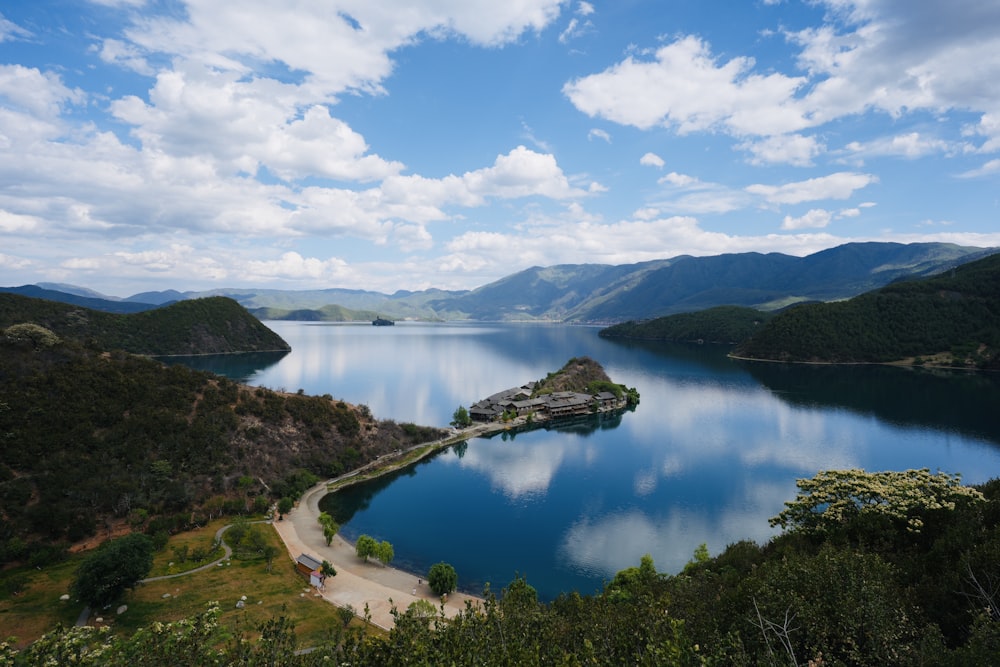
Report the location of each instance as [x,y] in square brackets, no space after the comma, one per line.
[711,453]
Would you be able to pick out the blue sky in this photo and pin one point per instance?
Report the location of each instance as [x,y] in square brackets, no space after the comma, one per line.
[384,144]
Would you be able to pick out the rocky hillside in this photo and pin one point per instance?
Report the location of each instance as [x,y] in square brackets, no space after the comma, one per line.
[578,375]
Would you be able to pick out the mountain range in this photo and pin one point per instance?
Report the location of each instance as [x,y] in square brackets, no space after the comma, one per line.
[590,293]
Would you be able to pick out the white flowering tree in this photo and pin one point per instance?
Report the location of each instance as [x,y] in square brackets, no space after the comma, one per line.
[834,498]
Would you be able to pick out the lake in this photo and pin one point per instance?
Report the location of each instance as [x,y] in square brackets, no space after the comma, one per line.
[710,454]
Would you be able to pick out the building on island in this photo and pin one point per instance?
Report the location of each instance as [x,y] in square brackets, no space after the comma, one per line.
[519,402]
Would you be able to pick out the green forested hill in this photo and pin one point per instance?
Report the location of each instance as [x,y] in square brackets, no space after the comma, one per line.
[197,326]
[722,324]
[93,439]
[953,318]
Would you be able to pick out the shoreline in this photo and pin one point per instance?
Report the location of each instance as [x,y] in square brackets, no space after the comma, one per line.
[367,584]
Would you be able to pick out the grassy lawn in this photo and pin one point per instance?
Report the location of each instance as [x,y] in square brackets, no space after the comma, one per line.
[37,608]
[280,592]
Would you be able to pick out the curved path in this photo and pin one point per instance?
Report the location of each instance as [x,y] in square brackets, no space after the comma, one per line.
[84,616]
[227,553]
[357,582]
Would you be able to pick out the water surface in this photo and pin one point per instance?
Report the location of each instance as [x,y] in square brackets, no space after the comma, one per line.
[712,451]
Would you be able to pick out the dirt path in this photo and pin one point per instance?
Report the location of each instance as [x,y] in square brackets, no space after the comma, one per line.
[357,583]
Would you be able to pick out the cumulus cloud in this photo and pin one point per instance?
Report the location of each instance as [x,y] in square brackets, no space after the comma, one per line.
[652,160]
[684,87]
[794,149]
[41,94]
[816,218]
[835,186]
[877,55]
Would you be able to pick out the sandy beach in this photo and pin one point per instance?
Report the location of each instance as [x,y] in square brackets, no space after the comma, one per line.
[357,582]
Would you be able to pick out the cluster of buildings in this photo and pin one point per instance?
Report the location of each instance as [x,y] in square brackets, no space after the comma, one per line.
[518,402]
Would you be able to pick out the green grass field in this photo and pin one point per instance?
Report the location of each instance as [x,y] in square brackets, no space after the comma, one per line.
[37,609]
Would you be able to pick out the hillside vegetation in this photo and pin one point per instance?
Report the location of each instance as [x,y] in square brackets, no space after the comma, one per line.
[197,326]
[953,318]
[94,442]
[722,324]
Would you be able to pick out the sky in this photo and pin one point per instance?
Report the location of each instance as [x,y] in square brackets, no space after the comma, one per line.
[415,144]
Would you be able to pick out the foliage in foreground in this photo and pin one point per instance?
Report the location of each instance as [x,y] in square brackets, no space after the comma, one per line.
[865,590]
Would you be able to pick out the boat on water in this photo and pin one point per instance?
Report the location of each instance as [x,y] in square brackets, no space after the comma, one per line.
[382,322]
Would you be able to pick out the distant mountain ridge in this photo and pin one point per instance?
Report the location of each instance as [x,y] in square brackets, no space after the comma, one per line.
[614,293]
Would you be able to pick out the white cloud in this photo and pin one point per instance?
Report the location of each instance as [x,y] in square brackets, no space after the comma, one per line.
[794,149]
[816,218]
[652,160]
[911,145]
[13,223]
[987,169]
[521,173]
[685,88]
[125,55]
[598,134]
[835,186]
[898,57]
[10,31]
[873,55]
[41,94]
[334,50]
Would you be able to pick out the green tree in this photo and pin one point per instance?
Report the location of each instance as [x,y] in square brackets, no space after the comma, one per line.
[285,506]
[385,552]
[330,527]
[116,566]
[834,498]
[460,418]
[366,546]
[442,578]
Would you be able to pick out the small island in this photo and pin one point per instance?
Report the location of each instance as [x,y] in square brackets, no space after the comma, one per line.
[382,322]
[581,387]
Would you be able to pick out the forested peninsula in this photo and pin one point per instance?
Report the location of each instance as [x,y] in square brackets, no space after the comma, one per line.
[951,319]
[722,324]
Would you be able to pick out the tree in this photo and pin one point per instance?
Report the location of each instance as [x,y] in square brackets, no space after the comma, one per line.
[385,553]
[460,418]
[330,527]
[836,497]
[442,578]
[366,546]
[285,506]
[116,566]
[270,551]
